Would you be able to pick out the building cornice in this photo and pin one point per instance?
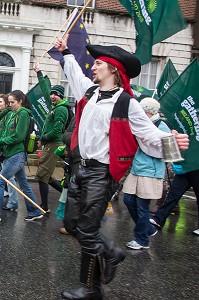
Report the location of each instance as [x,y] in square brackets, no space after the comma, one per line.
[23,27]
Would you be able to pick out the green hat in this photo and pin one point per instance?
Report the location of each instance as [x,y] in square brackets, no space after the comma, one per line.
[58,90]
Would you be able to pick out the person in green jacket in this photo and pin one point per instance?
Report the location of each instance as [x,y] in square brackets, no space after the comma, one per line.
[5,114]
[51,137]
[12,145]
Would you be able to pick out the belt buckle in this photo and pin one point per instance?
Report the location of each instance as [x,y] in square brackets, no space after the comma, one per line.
[83,162]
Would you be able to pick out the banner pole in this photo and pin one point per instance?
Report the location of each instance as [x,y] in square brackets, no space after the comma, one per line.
[55,36]
[76,19]
[155,92]
[20,192]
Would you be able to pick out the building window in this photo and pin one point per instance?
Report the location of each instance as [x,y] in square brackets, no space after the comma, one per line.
[6,60]
[148,76]
[80,3]
[5,83]
[68,93]
[6,73]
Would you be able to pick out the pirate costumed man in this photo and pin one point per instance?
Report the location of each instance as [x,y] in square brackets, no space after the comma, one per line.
[110,124]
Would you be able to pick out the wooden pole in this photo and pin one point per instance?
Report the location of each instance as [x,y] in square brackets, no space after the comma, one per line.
[55,36]
[78,16]
[155,92]
[20,192]
[69,29]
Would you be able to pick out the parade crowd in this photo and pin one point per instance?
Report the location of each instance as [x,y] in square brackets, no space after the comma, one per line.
[110,137]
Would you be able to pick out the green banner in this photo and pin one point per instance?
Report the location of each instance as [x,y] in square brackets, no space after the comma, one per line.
[155,21]
[141,92]
[40,107]
[180,105]
[168,76]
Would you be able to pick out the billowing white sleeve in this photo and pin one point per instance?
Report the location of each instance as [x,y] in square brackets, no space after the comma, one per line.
[78,82]
[147,134]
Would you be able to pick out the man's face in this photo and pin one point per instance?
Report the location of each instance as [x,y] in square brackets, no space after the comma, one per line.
[54,98]
[100,71]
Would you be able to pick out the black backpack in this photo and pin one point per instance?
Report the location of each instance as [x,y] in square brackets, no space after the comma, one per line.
[70,117]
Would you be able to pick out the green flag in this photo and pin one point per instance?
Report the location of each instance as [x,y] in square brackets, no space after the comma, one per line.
[40,107]
[141,92]
[155,21]
[180,105]
[168,76]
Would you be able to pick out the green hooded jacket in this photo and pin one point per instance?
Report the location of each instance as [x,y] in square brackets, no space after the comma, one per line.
[4,117]
[55,123]
[12,140]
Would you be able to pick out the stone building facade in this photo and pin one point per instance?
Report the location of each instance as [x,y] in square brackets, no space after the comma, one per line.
[28,27]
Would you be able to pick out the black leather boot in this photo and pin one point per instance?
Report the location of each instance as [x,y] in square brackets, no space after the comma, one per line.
[56,185]
[90,277]
[112,258]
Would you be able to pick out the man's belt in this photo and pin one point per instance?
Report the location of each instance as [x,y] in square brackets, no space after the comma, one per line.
[92,163]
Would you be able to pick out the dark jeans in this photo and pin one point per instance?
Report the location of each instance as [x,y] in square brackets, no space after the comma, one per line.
[87,200]
[180,184]
[140,213]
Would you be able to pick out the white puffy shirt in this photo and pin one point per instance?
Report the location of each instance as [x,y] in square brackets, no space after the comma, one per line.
[95,120]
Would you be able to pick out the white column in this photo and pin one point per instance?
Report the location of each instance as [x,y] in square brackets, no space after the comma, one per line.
[25,69]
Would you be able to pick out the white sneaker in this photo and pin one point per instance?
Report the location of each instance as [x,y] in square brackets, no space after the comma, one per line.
[134,245]
[6,193]
[152,221]
[153,234]
[29,218]
[196,232]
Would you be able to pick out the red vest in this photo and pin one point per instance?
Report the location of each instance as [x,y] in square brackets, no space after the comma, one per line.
[123,144]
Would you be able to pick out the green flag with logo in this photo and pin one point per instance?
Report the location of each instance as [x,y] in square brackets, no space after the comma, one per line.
[180,105]
[155,21]
[168,76]
[141,92]
[40,107]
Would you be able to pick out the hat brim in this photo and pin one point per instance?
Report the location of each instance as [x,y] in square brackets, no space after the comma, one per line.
[130,62]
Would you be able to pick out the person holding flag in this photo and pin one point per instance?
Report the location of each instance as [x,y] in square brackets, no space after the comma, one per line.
[110,124]
[51,137]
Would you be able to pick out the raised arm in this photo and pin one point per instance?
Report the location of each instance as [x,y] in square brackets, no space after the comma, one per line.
[44,87]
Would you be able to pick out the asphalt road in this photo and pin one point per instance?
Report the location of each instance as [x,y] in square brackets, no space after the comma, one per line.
[37,262]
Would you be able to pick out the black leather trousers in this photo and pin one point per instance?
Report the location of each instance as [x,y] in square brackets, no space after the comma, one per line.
[87,200]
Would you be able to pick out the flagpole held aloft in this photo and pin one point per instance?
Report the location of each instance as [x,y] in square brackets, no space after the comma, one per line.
[68,31]
[55,36]
[155,92]
[76,19]
[77,41]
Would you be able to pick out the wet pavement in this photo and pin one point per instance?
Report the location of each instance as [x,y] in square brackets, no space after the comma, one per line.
[37,262]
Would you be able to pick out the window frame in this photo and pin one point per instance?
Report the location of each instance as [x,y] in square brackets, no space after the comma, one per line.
[68,93]
[9,59]
[91,5]
[160,67]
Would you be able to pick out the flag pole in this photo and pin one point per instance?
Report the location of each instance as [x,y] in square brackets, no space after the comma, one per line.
[76,19]
[20,192]
[155,92]
[55,36]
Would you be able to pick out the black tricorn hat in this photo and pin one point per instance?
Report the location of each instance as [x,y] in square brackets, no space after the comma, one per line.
[130,62]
